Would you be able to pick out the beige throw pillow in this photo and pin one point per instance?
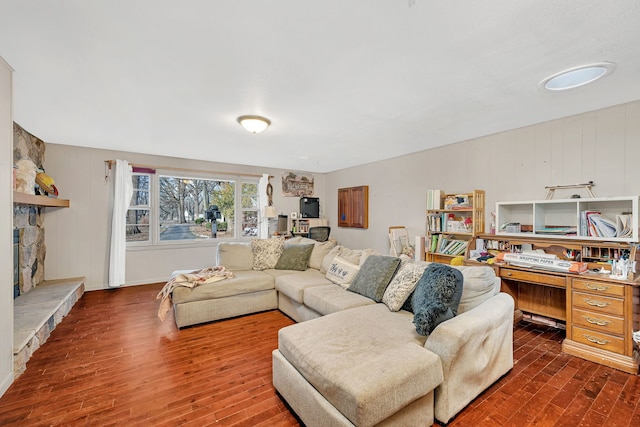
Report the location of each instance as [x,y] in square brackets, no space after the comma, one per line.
[266,252]
[402,284]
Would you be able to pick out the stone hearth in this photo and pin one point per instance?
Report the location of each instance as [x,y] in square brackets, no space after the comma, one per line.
[36,314]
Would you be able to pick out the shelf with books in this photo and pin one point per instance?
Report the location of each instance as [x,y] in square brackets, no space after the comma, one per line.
[601,218]
[450,227]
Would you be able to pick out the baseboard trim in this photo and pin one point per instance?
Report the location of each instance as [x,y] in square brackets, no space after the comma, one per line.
[6,382]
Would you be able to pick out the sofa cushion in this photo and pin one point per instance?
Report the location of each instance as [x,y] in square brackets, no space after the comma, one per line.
[243,282]
[374,276]
[294,257]
[293,285]
[480,284]
[436,297]
[328,299]
[235,256]
[403,284]
[342,272]
[266,252]
[368,362]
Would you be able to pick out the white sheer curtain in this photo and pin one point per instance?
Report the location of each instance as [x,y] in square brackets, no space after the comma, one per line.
[264,222]
[122,192]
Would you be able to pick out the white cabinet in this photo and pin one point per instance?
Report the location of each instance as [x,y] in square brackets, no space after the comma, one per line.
[568,218]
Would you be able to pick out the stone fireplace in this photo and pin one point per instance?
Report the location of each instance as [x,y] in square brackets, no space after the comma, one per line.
[28,220]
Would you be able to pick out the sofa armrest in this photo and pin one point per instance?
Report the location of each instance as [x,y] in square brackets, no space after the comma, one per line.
[475,348]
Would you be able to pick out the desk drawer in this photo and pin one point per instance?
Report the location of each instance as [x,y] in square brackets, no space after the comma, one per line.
[598,322]
[598,340]
[602,288]
[601,304]
[538,278]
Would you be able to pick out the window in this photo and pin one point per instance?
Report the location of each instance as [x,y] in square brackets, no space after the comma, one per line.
[138,213]
[250,203]
[177,208]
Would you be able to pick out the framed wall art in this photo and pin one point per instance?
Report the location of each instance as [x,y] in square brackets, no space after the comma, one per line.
[297,184]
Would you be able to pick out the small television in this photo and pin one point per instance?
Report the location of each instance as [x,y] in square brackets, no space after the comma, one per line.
[309,207]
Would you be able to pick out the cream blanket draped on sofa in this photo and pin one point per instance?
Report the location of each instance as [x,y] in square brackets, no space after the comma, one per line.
[189,280]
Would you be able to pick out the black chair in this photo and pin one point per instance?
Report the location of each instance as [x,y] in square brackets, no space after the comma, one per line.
[319,233]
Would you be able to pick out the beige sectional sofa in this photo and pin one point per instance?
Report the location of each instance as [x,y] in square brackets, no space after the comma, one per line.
[351,360]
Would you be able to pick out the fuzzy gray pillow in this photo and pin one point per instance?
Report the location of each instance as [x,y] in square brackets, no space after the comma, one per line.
[374,276]
[436,297]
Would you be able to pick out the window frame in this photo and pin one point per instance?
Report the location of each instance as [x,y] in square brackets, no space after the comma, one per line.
[154,209]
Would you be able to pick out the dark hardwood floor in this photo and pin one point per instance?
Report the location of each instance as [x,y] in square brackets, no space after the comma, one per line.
[112,362]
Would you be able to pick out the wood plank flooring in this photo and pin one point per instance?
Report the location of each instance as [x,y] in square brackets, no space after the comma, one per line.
[112,362]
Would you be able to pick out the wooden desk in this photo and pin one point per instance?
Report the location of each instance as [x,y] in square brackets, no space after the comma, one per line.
[600,313]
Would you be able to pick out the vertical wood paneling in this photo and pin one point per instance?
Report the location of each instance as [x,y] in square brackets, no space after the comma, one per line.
[610,130]
[632,148]
[589,149]
[519,165]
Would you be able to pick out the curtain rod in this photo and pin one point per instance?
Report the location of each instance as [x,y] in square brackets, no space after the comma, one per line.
[110,163]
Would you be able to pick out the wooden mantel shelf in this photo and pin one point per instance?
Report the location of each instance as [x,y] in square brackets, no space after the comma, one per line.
[31,199]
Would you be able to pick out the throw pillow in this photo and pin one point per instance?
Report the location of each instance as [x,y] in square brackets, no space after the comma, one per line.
[374,276]
[436,297]
[341,272]
[266,252]
[320,251]
[328,259]
[402,284]
[294,257]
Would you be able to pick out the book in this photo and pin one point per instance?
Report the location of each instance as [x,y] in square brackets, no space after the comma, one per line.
[624,227]
[434,199]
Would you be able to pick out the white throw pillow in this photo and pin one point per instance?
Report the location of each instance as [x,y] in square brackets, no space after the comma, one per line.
[342,272]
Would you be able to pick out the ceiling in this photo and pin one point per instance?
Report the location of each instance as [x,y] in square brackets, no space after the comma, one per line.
[343,82]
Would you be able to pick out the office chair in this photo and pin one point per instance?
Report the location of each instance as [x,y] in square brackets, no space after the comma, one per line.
[319,233]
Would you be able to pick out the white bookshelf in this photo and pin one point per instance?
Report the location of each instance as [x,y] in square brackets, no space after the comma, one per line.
[536,218]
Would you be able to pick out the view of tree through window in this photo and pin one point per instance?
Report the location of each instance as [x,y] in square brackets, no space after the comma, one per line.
[138,213]
[183,205]
[177,208]
[249,209]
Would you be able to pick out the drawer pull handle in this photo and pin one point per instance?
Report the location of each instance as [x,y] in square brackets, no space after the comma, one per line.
[595,303]
[596,287]
[597,322]
[509,274]
[596,340]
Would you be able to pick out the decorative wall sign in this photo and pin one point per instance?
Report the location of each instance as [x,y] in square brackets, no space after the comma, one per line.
[297,184]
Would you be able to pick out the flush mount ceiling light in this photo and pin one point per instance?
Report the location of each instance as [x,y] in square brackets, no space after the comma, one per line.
[254,124]
[577,76]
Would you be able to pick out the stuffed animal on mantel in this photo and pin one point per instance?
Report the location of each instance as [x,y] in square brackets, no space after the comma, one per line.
[26,176]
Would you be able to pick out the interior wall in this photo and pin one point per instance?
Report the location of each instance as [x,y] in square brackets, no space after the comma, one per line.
[599,146]
[6,230]
[514,165]
[77,238]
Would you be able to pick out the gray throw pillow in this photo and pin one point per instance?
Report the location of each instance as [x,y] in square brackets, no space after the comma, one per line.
[294,257]
[374,276]
[436,297]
